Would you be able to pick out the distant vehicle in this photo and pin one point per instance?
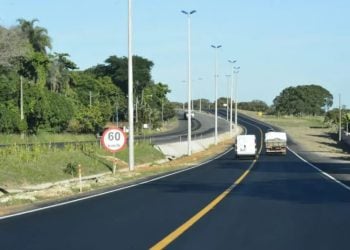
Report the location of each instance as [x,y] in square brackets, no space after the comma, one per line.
[276,142]
[186,115]
[246,146]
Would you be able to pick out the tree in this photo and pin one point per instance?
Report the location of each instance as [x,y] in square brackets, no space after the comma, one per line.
[347,121]
[303,100]
[60,112]
[255,105]
[13,45]
[38,60]
[101,88]
[222,101]
[10,121]
[37,36]
[58,79]
[117,69]
[152,103]
[88,119]
[36,107]
[332,117]
[204,103]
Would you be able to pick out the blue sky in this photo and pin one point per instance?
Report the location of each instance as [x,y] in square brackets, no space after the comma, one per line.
[277,43]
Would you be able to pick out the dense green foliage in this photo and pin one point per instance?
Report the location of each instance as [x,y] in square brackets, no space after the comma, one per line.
[203,104]
[57,97]
[332,117]
[255,105]
[303,100]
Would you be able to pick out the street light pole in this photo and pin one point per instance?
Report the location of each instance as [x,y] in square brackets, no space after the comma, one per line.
[130,91]
[236,87]
[189,120]
[231,92]
[216,47]
[228,89]
[340,117]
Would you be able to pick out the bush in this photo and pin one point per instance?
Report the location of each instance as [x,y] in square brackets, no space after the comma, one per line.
[10,121]
[60,112]
[71,168]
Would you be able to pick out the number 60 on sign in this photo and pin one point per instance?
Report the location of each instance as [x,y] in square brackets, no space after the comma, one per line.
[113,139]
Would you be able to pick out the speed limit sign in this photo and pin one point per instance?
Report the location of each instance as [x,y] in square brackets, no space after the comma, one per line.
[113,139]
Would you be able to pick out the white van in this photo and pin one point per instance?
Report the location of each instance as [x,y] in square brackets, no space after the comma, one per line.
[246,145]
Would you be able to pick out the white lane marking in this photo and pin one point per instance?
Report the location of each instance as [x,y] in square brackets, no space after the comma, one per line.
[310,164]
[320,171]
[112,191]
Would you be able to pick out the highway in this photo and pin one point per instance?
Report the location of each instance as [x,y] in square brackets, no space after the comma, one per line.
[275,202]
[202,126]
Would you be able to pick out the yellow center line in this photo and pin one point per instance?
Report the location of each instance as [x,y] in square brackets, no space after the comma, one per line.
[185,226]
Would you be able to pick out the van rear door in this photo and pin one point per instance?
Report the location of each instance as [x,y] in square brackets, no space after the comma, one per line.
[246,145]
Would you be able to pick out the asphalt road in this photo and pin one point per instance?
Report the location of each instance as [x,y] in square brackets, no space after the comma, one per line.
[282,203]
[202,126]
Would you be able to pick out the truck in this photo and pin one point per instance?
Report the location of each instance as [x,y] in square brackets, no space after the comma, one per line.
[246,146]
[276,142]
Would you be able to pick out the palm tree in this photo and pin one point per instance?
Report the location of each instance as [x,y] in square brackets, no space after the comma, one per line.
[37,36]
[58,75]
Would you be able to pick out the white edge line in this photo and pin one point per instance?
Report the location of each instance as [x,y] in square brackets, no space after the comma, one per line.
[320,171]
[312,165]
[111,191]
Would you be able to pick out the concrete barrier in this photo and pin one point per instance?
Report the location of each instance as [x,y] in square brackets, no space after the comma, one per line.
[178,149]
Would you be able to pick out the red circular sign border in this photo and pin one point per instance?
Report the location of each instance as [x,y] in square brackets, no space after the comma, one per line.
[105,132]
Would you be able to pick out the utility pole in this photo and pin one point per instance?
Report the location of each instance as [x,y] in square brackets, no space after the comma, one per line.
[90,98]
[339,117]
[21,101]
[162,112]
[130,91]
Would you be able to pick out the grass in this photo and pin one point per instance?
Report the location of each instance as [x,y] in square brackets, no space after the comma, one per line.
[290,122]
[24,166]
[44,137]
[309,131]
[143,153]
[167,126]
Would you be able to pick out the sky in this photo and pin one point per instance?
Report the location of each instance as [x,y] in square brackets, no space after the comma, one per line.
[277,43]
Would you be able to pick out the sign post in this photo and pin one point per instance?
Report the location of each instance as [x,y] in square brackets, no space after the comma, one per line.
[113,140]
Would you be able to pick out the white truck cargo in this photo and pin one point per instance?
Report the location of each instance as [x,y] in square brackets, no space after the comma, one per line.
[276,142]
[246,146]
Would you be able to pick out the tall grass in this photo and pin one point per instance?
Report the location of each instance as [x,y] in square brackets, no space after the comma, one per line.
[44,137]
[22,165]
